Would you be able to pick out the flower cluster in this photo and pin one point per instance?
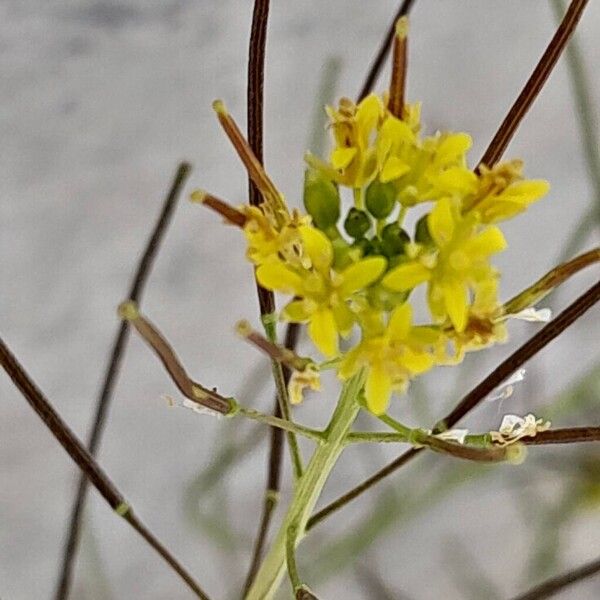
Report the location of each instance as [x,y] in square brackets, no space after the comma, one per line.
[356,271]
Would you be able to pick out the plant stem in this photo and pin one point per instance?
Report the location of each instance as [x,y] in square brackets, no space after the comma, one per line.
[308,490]
[284,406]
[271,492]
[383,51]
[588,129]
[556,584]
[534,84]
[112,371]
[555,277]
[86,462]
[274,421]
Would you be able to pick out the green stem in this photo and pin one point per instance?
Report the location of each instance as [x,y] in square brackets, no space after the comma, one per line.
[283,399]
[402,215]
[273,421]
[290,555]
[308,490]
[359,201]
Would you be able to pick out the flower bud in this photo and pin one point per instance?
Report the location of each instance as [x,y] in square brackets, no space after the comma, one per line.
[380,199]
[321,199]
[422,235]
[357,223]
[364,245]
[393,239]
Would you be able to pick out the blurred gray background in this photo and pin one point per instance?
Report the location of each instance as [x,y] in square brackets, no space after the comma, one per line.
[99,101]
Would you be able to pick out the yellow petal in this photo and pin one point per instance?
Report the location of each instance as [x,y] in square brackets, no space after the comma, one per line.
[455,180]
[342,157]
[416,362]
[275,276]
[425,335]
[318,247]
[361,274]
[455,300]
[452,147]
[295,311]
[395,132]
[378,389]
[349,363]
[488,242]
[400,322]
[323,332]
[441,222]
[407,276]
[368,114]
[393,168]
[344,319]
[527,191]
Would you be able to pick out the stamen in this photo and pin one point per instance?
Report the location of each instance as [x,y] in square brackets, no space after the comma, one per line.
[229,213]
[276,352]
[399,66]
[255,170]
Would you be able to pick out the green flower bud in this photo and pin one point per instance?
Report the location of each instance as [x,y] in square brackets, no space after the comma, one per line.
[380,199]
[357,223]
[321,199]
[376,247]
[364,245]
[393,239]
[422,235]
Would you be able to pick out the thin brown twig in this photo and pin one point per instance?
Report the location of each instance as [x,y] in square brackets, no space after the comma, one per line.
[384,49]
[546,284]
[86,462]
[567,435]
[534,84]
[255,107]
[112,371]
[529,349]
[552,586]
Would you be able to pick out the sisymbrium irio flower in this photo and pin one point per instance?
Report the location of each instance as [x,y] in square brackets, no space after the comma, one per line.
[391,356]
[338,283]
[322,294]
[456,265]
[501,192]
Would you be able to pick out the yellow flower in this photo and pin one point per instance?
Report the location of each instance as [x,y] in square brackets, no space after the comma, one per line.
[391,357]
[502,192]
[423,170]
[455,267]
[267,240]
[485,325]
[354,128]
[322,295]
